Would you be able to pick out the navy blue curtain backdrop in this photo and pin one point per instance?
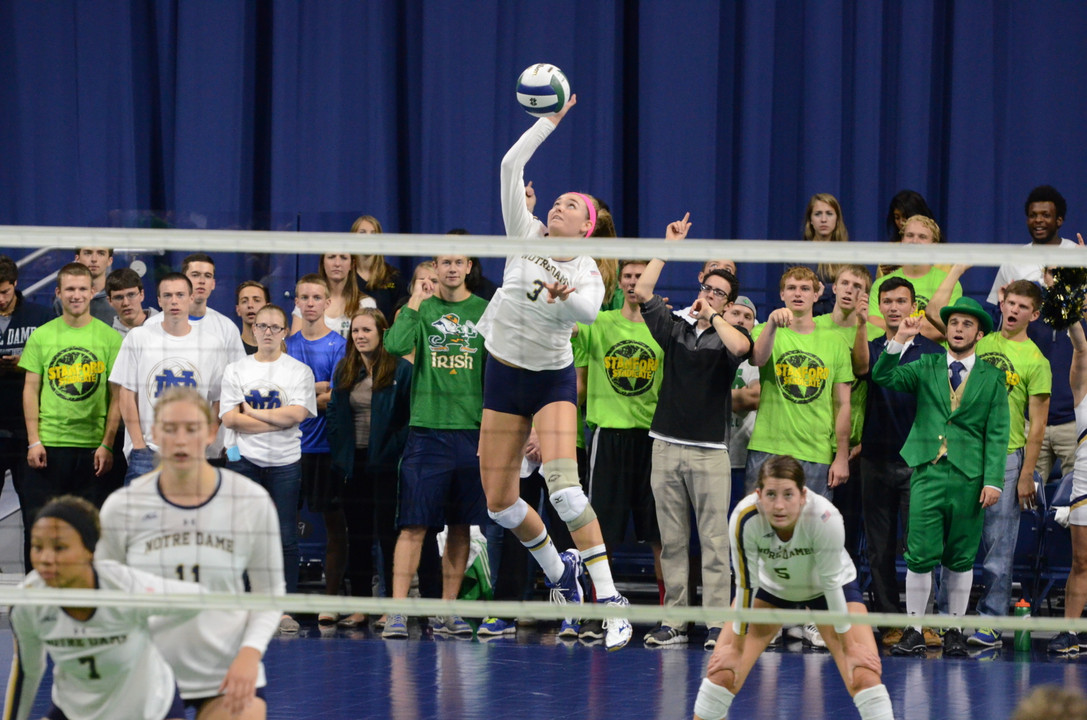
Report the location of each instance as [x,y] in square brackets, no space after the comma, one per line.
[235,113]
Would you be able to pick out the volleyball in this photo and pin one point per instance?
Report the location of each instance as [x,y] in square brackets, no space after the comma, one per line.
[542,90]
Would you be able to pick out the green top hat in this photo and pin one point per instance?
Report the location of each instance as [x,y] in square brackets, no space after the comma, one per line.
[968,306]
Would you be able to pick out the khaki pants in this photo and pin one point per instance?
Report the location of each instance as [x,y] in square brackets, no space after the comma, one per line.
[685,476]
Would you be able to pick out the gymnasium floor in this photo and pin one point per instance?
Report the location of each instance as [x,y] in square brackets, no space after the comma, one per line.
[355,675]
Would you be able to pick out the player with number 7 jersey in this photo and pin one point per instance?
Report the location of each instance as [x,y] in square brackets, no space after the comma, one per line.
[192,521]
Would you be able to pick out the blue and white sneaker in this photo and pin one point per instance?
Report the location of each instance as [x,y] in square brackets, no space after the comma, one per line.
[452,625]
[396,627]
[494,627]
[571,628]
[617,631]
[985,637]
[567,591]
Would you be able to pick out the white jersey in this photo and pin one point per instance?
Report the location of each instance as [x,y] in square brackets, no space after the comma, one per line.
[743,421]
[268,385]
[812,563]
[152,361]
[1078,515]
[519,325]
[235,532]
[104,667]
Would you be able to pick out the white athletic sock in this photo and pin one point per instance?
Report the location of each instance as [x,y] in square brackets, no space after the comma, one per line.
[874,703]
[918,589]
[958,590]
[545,553]
[713,701]
[596,562]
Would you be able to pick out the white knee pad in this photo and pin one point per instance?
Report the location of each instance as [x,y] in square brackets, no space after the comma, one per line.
[713,701]
[573,507]
[512,516]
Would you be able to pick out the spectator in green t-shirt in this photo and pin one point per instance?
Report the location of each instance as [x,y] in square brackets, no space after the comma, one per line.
[71,415]
[439,472]
[619,369]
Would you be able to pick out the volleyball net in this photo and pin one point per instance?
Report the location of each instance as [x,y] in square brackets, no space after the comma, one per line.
[748,254]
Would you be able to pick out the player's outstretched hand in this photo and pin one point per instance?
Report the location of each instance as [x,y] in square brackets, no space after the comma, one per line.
[677,230]
[557,117]
[239,687]
[558,291]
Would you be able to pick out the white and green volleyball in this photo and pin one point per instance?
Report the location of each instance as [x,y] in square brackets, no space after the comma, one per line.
[542,90]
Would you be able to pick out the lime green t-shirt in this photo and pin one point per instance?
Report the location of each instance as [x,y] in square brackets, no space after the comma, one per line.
[625,367]
[74,364]
[447,379]
[1026,372]
[796,408]
[924,288]
[858,388]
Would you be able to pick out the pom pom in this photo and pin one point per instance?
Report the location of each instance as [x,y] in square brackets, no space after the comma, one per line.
[1063,301]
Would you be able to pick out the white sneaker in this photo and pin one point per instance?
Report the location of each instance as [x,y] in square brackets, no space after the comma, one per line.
[617,631]
[792,632]
[811,636]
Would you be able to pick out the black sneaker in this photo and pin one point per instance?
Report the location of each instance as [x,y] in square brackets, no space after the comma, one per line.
[1064,643]
[591,630]
[955,644]
[664,635]
[912,643]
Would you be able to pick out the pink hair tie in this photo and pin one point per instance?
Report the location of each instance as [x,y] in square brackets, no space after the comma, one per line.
[592,211]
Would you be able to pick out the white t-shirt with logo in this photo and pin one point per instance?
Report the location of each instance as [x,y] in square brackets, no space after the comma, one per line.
[268,385]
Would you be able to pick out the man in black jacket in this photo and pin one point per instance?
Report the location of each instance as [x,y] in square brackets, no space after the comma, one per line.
[690,432]
[18,318]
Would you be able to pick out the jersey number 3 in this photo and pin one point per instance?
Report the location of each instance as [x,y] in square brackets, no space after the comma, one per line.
[535,293]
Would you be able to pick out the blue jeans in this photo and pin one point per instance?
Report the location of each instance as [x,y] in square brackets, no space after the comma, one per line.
[998,540]
[283,483]
[140,462]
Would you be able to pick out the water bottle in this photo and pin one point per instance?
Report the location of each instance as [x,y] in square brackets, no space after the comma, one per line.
[1022,637]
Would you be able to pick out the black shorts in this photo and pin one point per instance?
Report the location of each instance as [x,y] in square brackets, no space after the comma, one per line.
[177,709]
[851,589]
[198,703]
[321,492]
[439,479]
[619,470]
[517,391]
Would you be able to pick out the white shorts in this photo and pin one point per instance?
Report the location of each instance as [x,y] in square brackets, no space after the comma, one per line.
[1078,515]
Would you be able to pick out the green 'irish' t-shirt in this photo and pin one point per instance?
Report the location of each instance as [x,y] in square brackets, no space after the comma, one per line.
[796,407]
[924,288]
[858,389]
[1026,372]
[625,367]
[74,364]
[447,379]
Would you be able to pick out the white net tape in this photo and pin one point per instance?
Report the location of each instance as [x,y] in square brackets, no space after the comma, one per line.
[774,251]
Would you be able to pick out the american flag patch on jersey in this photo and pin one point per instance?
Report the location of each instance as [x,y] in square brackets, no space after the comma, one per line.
[825,516]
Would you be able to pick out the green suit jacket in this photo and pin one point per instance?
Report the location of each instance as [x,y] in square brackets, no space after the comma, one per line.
[977,433]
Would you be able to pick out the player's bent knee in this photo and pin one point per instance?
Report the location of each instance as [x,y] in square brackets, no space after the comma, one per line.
[573,507]
[713,701]
[512,516]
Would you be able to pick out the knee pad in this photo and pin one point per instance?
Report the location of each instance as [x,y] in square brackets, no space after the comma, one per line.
[713,701]
[573,507]
[559,475]
[512,516]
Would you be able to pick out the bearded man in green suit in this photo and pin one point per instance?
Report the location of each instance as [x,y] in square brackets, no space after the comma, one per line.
[957,447]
